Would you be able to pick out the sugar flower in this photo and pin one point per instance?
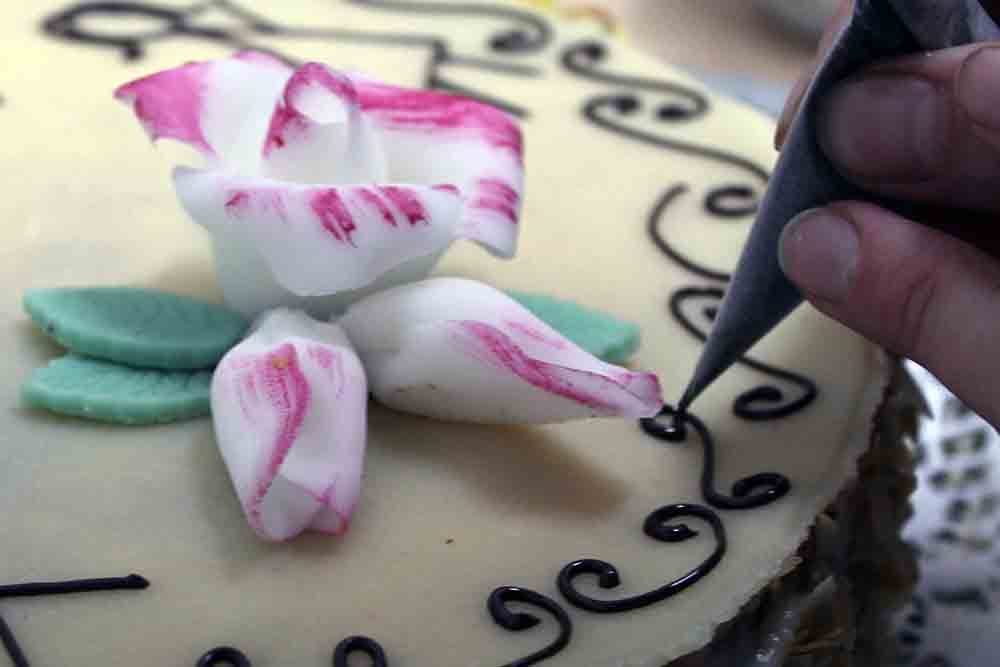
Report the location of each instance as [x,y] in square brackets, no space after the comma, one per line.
[289,406]
[335,195]
[322,186]
[289,402]
[460,350]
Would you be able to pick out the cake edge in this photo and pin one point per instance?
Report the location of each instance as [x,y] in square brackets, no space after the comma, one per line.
[834,605]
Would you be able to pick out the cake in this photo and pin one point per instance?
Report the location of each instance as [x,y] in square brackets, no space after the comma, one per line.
[790,481]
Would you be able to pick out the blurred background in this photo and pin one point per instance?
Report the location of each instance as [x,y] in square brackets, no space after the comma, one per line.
[767,39]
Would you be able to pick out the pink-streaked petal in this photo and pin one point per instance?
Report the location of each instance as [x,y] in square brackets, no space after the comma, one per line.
[460,350]
[220,107]
[492,213]
[289,406]
[431,137]
[319,240]
[318,134]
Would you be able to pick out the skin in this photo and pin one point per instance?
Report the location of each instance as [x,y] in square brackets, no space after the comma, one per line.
[924,128]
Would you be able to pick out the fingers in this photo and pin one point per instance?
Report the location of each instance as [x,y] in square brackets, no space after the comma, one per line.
[916,291]
[798,91]
[924,128]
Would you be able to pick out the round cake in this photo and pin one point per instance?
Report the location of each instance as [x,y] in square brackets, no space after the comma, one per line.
[749,538]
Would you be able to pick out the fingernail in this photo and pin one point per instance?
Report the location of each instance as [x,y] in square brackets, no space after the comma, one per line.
[978,87]
[819,253]
[885,129]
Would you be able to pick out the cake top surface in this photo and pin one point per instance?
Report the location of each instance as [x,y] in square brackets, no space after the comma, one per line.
[640,187]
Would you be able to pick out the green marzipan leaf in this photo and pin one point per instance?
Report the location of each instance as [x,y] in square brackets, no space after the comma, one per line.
[597,332]
[107,392]
[138,327]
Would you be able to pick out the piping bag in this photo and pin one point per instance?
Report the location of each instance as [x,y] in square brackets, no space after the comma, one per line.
[760,296]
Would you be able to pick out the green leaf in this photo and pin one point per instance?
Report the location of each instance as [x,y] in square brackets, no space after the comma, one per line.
[597,332]
[138,327]
[107,392]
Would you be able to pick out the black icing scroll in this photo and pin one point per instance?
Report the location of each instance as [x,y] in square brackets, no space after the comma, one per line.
[496,605]
[518,621]
[585,59]
[611,111]
[748,493]
[659,238]
[760,403]
[661,526]
[530,33]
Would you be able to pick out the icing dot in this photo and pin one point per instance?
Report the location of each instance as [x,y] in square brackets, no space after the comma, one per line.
[625,104]
[674,112]
[224,656]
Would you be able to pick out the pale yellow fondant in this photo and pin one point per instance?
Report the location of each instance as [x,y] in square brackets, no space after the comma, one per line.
[448,511]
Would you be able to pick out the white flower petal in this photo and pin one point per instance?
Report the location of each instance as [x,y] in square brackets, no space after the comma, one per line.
[319,240]
[460,350]
[220,107]
[431,137]
[318,133]
[289,406]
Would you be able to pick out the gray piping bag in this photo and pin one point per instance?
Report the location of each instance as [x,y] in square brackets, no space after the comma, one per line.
[760,296]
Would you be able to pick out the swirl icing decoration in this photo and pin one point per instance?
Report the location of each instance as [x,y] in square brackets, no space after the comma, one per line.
[584,60]
[518,621]
[747,493]
[726,202]
[660,526]
[761,403]
[497,605]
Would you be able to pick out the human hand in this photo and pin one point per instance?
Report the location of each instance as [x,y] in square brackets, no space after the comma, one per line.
[925,128]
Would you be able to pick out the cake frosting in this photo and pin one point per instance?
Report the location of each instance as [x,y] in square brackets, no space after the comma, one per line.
[639,189]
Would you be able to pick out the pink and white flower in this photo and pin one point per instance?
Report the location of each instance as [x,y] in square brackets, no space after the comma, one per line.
[289,405]
[460,350]
[289,401]
[325,191]
[322,186]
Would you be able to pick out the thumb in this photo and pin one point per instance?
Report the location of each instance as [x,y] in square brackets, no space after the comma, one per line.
[914,290]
